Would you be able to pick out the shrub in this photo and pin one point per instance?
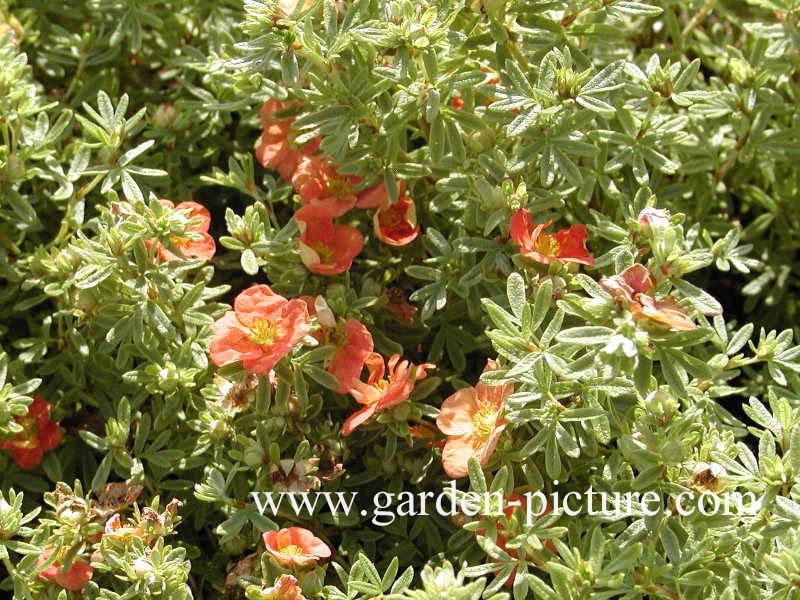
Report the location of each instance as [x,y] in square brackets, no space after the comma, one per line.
[509,286]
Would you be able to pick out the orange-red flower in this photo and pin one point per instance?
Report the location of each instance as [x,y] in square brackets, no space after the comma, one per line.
[473,419]
[285,588]
[38,435]
[378,393]
[73,579]
[352,340]
[396,224]
[519,504]
[326,248]
[262,328]
[295,547]
[567,245]
[633,289]
[198,243]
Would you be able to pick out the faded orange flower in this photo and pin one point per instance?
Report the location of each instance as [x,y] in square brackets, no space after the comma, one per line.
[262,328]
[633,290]
[295,547]
[285,588]
[326,248]
[566,245]
[380,393]
[473,419]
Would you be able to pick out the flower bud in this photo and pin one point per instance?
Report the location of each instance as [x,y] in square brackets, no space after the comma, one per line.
[142,567]
[652,220]
[9,520]
[165,115]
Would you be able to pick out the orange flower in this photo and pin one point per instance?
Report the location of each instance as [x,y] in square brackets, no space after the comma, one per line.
[38,435]
[274,150]
[633,289]
[295,547]
[74,579]
[318,183]
[285,588]
[396,224]
[353,343]
[379,393]
[473,420]
[326,248]
[567,245]
[115,530]
[262,328]
[198,243]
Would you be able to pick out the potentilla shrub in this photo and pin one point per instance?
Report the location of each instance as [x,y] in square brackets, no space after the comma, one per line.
[389,299]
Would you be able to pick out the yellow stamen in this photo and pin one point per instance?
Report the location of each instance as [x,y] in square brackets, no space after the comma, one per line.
[262,332]
[484,421]
[339,188]
[292,549]
[547,245]
[324,252]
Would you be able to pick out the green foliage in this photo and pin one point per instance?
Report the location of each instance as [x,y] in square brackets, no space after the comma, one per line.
[585,112]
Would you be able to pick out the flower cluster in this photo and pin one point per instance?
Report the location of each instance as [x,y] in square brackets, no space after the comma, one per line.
[325,193]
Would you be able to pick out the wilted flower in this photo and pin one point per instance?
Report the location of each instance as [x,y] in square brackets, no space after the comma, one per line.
[378,393]
[326,248]
[473,419]
[709,477]
[566,245]
[198,243]
[262,328]
[396,224]
[38,435]
[633,289]
[285,588]
[295,547]
[73,579]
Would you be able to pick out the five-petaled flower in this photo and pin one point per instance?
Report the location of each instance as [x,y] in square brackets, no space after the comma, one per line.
[566,245]
[196,242]
[396,224]
[473,419]
[380,393]
[326,248]
[73,578]
[633,289]
[262,328]
[295,547]
[38,435]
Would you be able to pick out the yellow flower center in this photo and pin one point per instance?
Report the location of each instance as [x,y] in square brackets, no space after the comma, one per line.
[324,252]
[339,188]
[382,384]
[28,437]
[547,245]
[484,421]
[262,332]
[292,550]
